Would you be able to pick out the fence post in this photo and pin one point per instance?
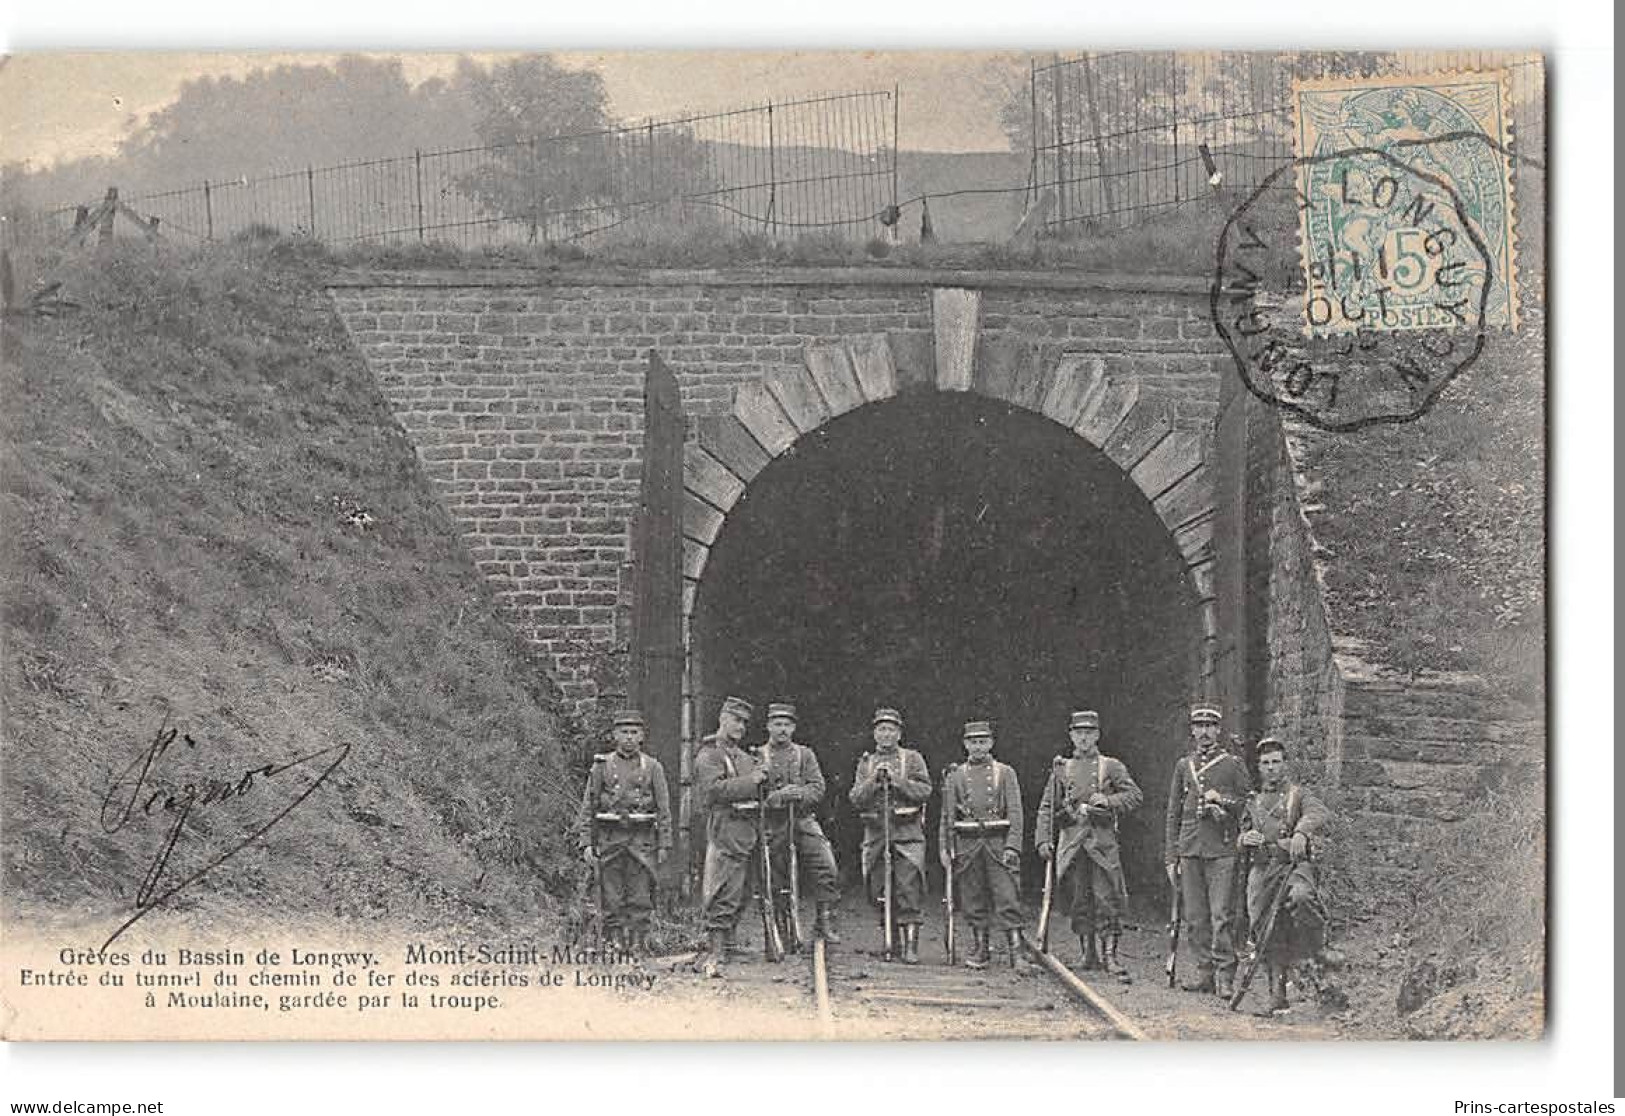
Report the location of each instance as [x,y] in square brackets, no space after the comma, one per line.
[417,165]
[537,226]
[208,210]
[651,162]
[1106,190]
[1173,93]
[310,197]
[1032,91]
[104,232]
[772,178]
[896,142]
[1062,210]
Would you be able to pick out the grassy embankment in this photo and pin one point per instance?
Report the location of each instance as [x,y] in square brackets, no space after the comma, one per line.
[212,521]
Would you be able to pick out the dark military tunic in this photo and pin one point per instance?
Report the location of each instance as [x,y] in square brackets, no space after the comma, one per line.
[1205,849]
[981,821]
[626,816]
[910,788]
[794,774]
[725,790]
[1300,929]
[1087,859]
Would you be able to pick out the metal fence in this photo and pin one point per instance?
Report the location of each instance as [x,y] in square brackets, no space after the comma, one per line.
[820,163]
[1118,137]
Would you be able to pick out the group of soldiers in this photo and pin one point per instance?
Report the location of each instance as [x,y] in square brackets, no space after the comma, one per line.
[760,808]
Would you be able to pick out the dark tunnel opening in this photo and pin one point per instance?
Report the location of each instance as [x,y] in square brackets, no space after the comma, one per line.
[958,559]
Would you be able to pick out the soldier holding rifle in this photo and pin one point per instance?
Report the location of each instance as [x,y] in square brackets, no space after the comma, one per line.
[1205,801]
[981,816]
[894,842]
[795,787]
[625,832]
[1279,826]
[726,783]
[1077,827]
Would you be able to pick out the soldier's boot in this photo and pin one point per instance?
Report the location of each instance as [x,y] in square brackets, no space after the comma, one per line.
[1114,964]
[1018,953]
[1202,983]
[1221,985]
[1091,959]
[826,924]
[719,954]
[976,956]
[731,948]
[911,944]
[640,941]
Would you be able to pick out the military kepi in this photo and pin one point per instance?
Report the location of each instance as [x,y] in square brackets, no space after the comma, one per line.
[1205,714]
[1085,718]
[629,717]
[780,709]
[885,716]
[978,728]
[739,707]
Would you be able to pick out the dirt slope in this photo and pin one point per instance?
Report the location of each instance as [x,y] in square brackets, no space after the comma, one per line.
[210,523]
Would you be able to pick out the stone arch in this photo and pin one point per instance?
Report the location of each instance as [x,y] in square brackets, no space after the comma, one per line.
[1093,394]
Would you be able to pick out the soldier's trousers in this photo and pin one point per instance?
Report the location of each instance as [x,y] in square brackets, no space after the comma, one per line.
[722,889]
[907,889]
[1300,928]
[986,890]
[1097,896]
[815,857]
[629,890]
[1205,883]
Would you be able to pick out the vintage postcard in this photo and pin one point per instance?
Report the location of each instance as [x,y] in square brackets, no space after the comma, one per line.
[774,545]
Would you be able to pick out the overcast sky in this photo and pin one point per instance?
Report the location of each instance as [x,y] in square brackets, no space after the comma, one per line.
[60,106]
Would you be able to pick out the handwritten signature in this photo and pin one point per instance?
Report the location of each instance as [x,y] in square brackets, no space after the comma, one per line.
[141,792]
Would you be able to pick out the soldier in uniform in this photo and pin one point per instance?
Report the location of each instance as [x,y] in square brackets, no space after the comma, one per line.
[904,771]
[726,778]
[624,829]
[981,824]
[1083,800]
[1278,826]
[794,778]
[1205,801]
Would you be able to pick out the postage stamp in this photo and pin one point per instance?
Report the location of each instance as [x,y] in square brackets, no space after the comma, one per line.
[1354,353]
[1377,159]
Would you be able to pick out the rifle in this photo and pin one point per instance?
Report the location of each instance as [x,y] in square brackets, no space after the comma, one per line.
[1244,979]
[1175,917]
[793,915]
[772,944]
[1049,865]
[947,855]
[885,848]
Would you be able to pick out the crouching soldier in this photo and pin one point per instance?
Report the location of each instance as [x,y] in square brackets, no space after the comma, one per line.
[898,774]
[726,782]
[981,826]
[1077,824]
[625,831]
[795,786]
[1279,827]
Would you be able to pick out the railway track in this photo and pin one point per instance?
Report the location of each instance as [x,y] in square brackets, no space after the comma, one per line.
[859,995]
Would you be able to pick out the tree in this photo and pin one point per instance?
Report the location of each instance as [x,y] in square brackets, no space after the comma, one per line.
[551,149]
[556,162]
[288,118]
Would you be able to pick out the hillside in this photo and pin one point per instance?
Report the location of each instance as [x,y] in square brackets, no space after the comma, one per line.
[210,524]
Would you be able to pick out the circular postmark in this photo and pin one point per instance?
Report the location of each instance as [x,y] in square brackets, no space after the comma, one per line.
[1390,281]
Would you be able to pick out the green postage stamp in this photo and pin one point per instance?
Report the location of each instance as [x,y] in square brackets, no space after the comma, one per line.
[1406,204]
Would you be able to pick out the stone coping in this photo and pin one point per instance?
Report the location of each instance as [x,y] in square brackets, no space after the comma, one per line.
[893,277]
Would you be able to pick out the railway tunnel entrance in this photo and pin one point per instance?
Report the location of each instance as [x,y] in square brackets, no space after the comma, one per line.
[959,558]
